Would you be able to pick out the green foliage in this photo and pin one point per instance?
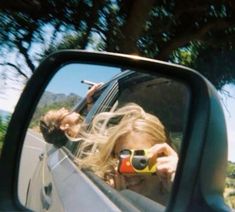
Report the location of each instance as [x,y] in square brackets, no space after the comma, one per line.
[231,170]
[187,55]
[68,42]
[42,110]
[229,193]
[166,30]
[4,121]
[216,64]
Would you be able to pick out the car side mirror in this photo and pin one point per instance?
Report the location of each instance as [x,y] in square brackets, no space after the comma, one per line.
[186,102]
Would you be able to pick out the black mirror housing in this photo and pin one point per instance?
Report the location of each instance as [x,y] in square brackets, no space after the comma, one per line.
[200,176]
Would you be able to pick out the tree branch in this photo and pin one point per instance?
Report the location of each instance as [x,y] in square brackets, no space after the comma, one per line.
[24,52]
[91,21]
[17,69]
[100,32]
[28,6]
[182,40]
[134,25]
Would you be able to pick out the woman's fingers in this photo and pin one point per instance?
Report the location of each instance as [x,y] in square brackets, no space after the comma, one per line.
[162,150]
[166,160]
[119,181]
[91,92]
[115,180]
[167,164]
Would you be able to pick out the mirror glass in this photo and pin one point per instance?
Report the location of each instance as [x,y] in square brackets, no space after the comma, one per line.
[141,111]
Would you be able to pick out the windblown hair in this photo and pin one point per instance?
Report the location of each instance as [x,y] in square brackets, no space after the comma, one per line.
[50,127]
[96,152]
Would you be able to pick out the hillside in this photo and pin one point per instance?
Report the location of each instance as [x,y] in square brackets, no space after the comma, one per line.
[50,98]
[50,101]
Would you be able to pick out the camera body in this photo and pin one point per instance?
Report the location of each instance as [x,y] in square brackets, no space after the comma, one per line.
[136,162]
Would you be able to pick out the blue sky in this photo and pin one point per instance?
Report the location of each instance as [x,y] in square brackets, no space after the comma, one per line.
[68,79]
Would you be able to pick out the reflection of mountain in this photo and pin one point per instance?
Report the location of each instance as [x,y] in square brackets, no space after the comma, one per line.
[50,98]
[50,101]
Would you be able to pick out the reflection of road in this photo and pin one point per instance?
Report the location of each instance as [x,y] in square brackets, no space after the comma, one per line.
[34,145]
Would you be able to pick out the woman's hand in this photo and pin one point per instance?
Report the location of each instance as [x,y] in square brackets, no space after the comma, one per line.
[166,160]
[116,180]
[91,91]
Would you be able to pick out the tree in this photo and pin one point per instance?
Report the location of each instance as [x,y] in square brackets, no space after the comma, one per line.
[4,121]
[160,29]
[231,170]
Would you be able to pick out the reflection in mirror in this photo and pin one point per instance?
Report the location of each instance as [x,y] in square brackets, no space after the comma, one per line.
[140,136]
[138,113]
[65,90]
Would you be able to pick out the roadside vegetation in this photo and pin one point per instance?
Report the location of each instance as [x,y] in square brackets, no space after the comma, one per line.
[229,193]
[4,121]
[68,102]
[34,124]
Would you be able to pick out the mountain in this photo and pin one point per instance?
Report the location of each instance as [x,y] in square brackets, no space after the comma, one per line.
[50,98]
[50,101]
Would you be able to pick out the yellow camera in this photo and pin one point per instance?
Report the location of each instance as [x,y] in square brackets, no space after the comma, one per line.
[136,162]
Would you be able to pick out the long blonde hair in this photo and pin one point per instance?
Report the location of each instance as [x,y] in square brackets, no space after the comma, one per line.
[96,152]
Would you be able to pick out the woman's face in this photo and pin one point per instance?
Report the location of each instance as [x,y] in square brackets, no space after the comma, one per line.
[71,124]
[144,184]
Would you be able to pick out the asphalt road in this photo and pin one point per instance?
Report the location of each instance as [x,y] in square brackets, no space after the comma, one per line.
[33,147]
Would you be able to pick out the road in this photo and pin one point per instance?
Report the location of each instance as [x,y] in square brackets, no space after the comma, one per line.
[34,145]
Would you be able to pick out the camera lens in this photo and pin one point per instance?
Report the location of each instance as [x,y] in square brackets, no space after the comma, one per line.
[143,162]
[139,163]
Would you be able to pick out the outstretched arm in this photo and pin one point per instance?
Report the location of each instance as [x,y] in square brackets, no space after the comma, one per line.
[90,93]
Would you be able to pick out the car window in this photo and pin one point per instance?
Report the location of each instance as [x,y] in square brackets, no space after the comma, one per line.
[171,108]
[82,108]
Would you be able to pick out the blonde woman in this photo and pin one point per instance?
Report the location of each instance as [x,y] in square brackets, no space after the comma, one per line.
[130,127]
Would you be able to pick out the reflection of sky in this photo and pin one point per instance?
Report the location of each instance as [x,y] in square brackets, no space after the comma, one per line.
[68,79]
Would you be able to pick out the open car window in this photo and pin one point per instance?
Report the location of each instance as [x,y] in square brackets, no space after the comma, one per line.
[171,108]
[147,91]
